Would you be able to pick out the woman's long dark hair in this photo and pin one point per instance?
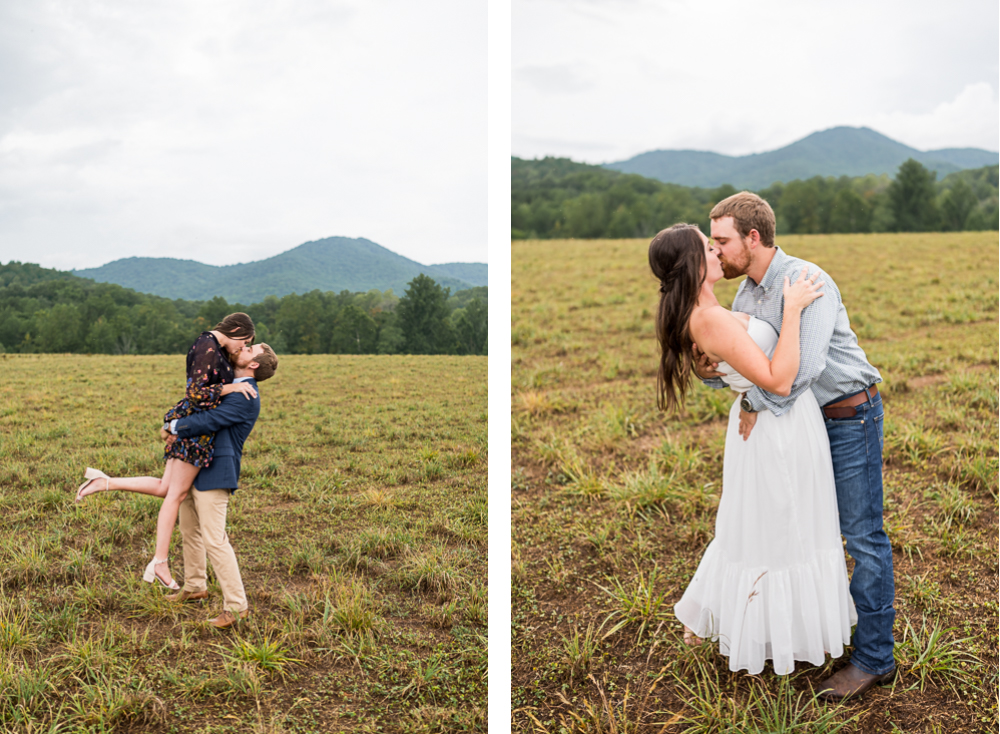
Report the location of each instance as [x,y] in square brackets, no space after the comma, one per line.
[677,259]
[237,326]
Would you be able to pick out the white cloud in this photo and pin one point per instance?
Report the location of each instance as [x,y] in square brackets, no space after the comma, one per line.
[738,78]
[555,79]
[967,121]
[234,130]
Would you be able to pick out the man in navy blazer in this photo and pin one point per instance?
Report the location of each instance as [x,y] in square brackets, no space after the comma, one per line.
[203,513]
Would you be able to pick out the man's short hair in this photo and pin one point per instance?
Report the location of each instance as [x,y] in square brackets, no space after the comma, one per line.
[267,362]
[748,211]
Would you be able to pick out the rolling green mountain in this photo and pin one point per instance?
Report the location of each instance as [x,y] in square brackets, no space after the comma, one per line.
[839,151]
[332,264]
[472,273]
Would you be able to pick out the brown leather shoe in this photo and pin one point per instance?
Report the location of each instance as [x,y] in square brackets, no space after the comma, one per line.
[851,681]
[227,619]
[185,595]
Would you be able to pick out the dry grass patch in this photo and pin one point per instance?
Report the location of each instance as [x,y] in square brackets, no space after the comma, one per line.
[344,484]
[614,494]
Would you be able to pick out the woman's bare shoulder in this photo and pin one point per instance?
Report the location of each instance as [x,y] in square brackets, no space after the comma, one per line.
[711,328]
[710,321]
[711,315]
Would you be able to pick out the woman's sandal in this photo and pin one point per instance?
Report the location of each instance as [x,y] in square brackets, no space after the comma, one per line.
[91,475]
[150,575]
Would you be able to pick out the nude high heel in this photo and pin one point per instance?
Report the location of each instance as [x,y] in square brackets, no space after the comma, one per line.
[150,575]
[90,475]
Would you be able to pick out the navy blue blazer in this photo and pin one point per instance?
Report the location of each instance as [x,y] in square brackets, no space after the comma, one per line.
[232,422]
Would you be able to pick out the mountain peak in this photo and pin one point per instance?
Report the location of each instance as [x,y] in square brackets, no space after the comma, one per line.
[328,264]
[836,151]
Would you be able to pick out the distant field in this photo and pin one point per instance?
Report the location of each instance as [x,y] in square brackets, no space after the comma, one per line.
[360,529]
[613,502]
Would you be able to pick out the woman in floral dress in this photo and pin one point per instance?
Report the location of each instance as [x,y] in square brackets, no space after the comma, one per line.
[209,378]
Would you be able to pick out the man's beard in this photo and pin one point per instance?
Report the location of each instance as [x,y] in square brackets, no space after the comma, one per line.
[735,268]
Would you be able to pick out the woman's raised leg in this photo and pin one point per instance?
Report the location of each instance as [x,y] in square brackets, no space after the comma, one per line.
[181,476]
[153,486]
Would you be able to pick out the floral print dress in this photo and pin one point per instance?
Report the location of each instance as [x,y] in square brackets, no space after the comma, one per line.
[208,369]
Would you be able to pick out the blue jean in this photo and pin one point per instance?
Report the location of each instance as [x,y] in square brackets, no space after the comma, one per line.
[856,447]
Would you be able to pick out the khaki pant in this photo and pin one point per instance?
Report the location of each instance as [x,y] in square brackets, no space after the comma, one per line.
[203,529]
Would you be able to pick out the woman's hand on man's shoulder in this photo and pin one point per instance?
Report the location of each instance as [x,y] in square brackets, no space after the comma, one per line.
[241,387]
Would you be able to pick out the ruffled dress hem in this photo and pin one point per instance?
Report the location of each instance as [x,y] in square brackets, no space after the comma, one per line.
[798,612]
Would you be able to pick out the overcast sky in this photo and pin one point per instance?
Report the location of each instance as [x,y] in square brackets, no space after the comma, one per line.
[233,130]
[603,80]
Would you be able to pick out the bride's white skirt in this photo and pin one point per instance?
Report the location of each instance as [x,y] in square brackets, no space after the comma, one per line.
[773,583]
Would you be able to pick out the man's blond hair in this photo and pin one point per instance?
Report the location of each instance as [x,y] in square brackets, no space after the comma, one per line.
[267,362]
[748,211]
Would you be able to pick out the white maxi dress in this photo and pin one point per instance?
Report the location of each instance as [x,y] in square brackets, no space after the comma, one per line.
[773,584]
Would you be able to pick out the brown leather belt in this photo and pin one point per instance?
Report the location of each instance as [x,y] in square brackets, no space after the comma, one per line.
[845,408]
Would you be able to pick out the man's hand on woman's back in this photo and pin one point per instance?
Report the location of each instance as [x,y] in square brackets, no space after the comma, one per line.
[704,367]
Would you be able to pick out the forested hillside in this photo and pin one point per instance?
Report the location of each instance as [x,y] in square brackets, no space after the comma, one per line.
[556,197]
[44,310]
[331,264]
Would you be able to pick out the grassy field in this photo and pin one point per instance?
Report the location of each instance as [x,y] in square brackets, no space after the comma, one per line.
[360,528]
[613,502]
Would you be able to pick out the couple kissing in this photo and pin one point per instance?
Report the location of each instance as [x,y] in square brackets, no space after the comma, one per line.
[204,435]
[803,453]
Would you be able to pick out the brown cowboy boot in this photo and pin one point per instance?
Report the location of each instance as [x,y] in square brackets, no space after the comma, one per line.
[851,681]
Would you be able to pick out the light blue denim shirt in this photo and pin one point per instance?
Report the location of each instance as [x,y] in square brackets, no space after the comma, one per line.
[832,364]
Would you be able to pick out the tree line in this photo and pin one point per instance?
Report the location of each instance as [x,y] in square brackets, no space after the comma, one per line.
[45,310]
[558,198]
